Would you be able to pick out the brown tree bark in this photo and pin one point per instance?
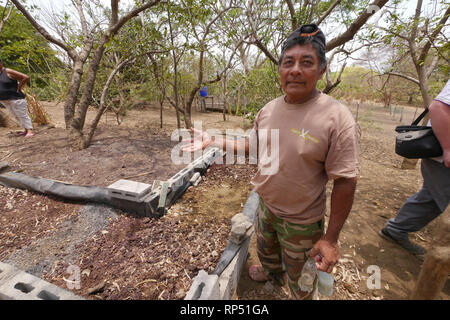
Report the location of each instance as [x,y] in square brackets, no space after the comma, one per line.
[436,267]
[72,93]
[77,125]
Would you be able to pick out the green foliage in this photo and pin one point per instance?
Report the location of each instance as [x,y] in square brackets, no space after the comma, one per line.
[256,89]
[22,49]
[250,111]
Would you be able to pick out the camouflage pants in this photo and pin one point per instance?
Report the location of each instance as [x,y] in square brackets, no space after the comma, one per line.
[281,247]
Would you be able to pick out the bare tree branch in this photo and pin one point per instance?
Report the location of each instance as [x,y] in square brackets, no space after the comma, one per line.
[413,33]
[291,9]
[114,28]
[327,13]
[4,19]
[403,76]
[433,36]
[114,11]
[79,6]
[432,66]
[264,49]
[256,41]
[70,51]
[355,26]
[103,105]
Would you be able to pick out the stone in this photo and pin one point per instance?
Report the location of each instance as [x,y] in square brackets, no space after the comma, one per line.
[240,228]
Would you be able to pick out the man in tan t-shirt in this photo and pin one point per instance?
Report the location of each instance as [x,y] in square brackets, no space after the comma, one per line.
[304,139]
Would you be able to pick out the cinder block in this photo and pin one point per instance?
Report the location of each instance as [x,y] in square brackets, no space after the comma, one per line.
[129,190]
[251,206]
[229,278]
[195,177]
[204,287]
[20,285]
[7,271]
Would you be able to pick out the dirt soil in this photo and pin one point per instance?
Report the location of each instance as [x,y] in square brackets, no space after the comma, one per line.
[122,256]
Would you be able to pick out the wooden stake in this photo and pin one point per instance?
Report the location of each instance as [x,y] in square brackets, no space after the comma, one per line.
[436,267]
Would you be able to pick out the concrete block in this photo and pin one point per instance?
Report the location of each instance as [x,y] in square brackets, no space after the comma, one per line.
[195,177]
[19,285]
[145,207]
[251,206]
[7,272]
[197,181]
[229,278]
[204,287]
[129,190]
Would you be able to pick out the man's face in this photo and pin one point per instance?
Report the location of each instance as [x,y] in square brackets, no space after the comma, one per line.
[299,72]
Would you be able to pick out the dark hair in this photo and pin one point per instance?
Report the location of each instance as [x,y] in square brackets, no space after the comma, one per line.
[307,34]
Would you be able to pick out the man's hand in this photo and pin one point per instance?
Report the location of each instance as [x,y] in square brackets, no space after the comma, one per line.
[329,252]
[200,141]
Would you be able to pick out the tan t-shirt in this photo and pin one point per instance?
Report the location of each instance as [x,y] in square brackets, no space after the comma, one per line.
[315,142]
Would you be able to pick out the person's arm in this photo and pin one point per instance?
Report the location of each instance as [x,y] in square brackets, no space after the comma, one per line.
[237,145]
[341,204]
[440,121]
[16,75]
[203,140]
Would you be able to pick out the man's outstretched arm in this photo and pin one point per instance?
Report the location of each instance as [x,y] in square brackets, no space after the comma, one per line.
[202,140]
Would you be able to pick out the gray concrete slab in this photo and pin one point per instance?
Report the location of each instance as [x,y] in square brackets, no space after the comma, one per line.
[204,287]
[129,190]
[229,279]
[16,284]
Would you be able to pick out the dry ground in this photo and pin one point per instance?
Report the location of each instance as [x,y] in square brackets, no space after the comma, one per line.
[121,256]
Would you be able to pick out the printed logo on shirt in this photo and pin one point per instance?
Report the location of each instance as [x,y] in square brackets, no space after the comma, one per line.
[305,135]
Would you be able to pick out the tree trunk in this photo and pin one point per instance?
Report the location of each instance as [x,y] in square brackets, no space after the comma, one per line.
[424,86]
[436,267]
[76,128]
[187,119]
[188,107]
[72,94]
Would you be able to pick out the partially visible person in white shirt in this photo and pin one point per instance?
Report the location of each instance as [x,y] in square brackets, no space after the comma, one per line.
[426,205]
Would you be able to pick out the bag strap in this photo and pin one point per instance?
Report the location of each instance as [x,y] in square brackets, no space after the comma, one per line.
[420,117]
